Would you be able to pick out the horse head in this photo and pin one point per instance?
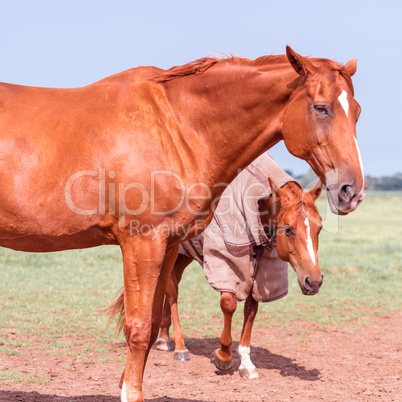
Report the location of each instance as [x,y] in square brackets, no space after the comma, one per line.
[319,126]
[297,224]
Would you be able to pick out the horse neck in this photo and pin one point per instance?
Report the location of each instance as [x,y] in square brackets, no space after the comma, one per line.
[233,112]
[270,220]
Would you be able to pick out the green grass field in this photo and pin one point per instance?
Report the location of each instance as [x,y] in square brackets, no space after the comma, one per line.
[58,295]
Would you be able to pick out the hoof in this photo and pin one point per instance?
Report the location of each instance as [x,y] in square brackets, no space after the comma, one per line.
[163,344]
[220,365]
[248,373]
[181,355]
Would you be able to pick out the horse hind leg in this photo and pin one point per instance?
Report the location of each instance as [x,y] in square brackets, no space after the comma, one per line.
[223,357]
[163,342]
[247,368]
[171,312]
[160,296]
[181,353]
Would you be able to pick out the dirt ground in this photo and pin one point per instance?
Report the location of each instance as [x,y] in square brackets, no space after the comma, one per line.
[348,363]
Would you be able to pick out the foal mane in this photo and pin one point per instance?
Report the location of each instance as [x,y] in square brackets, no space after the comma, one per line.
[201,65]
[299,198]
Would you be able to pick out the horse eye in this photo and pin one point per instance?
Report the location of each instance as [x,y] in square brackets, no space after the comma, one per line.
[288,231]
[321,110]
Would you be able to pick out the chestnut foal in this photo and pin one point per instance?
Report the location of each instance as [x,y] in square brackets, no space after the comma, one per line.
[290,215]
[291,219]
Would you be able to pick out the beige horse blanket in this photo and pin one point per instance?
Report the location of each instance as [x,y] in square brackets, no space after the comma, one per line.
[234,250]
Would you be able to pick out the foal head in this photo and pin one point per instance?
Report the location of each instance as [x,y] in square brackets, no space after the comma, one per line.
[294,218]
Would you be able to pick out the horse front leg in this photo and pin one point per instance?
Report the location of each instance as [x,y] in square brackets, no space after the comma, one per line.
[247,368]
[223,356]
[147,264]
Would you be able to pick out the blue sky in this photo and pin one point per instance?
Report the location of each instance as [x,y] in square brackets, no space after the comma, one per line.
[72,43]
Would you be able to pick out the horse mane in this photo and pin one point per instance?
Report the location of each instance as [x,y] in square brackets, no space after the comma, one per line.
[194,67]
[201,65]
[294,188]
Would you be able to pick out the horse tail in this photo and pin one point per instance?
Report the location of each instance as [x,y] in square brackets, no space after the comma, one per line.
[116,309]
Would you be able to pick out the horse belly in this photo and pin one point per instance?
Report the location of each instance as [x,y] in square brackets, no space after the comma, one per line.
[43,243]
[34,215]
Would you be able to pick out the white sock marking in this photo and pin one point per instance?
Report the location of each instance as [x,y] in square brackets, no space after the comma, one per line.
[123,396]
[343,100]
[246,362]
[309,241]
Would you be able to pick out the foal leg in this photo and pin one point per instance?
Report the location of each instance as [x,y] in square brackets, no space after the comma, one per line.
[143,297]
[223,356]
[247,368]
[172,293]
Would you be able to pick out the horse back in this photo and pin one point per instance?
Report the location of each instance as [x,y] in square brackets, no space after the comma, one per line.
[120,129]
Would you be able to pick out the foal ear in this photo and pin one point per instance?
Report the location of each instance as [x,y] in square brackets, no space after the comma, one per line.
[301,65]
[274,188]
[351,66]
[315,192]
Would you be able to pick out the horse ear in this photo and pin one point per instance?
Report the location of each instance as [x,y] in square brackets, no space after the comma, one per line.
[315,192]
[351,67]
[274,188]
[301,64]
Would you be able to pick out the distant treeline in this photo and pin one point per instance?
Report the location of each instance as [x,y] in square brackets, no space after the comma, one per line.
[386,183]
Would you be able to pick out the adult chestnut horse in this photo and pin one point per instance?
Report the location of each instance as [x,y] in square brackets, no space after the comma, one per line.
[137,158]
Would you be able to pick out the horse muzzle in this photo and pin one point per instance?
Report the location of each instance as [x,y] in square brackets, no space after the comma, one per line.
[345,199]
[310,287]
[344,196]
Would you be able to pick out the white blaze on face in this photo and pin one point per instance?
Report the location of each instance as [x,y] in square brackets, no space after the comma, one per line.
[360,162]
[343,100]
[309,241]
[123,396]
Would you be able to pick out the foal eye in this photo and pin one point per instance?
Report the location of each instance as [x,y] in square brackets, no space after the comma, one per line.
[288,231]
[321,110]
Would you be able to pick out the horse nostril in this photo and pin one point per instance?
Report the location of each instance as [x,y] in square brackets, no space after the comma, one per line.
[321,281]
[346,193]
[308,282]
